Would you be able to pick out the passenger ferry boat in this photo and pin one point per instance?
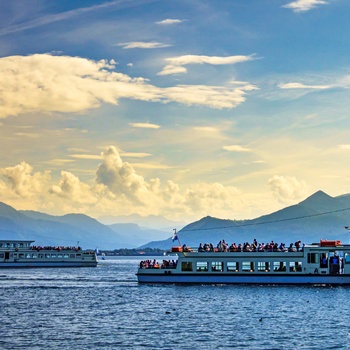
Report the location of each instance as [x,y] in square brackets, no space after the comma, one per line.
[21,253]
[323,263]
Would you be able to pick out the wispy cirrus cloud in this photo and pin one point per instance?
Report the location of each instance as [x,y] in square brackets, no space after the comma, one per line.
[304,5]
[169,21]
[303,86]
[47,19]
[144,125]
[176,65]
[236,148]
[143,45]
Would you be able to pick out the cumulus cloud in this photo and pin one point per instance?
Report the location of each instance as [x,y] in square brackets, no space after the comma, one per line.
[71,188]
[117,188]
[143,45]
[303,86]
[287,189]
[45,83]
[120,177]
[304,5]
[23,182]
[175,65]
[169,21]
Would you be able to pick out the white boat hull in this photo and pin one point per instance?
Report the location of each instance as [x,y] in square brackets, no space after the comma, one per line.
[300,279]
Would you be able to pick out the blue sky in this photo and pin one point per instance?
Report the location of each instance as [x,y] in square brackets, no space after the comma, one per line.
[184,109]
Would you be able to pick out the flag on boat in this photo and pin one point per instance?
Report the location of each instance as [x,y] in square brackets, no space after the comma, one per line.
[175,237]
[97,251]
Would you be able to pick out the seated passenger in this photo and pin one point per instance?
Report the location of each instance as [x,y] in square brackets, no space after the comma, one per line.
[290,248]
[200,248]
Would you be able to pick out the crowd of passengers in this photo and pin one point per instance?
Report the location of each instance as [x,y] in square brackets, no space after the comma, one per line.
[166,264]
[222,246]
[58,248]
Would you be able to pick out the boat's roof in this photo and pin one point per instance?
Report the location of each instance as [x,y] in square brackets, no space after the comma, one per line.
[15,241]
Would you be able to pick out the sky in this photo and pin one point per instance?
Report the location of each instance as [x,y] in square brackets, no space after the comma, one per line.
[182,109]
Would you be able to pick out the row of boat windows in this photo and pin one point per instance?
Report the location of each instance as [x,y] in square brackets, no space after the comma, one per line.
[14,245]
[40,256]
[245,266]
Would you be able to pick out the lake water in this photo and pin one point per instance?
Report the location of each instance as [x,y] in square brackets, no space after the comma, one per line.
[105,308]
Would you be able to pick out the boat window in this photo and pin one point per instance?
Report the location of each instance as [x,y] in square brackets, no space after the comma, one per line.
[263,266]
[72,256]
[53,255]
[35,256]
[2,255]
[40,256]
[48,256]
[202,266]
[59,256]
[232,266]
[186,266]
[279,266]
[28,256]
[347,258]
[21,256]
[248,266]
[217,266]
[295,266]
[313,258]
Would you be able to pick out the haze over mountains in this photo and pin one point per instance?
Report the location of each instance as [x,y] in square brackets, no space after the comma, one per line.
[320,216]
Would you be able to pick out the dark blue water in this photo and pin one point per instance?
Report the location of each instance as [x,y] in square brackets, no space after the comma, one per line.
[105,308]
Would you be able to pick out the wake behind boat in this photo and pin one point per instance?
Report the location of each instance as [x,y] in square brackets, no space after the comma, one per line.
[327,262]
[21,253]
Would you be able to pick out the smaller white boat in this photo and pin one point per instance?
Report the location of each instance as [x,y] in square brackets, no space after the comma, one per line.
[22,253]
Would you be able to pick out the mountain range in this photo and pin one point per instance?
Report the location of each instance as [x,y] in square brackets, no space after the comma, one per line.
[319,216]
[73,229]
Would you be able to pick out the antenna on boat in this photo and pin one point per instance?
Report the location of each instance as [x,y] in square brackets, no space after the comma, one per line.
[176,236]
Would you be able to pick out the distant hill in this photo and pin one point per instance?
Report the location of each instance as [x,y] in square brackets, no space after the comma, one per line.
[319,216]
[137,236]
[151,221]
[55,230]
[70,229]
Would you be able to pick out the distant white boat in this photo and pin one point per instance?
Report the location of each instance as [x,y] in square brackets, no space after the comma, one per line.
[18,253]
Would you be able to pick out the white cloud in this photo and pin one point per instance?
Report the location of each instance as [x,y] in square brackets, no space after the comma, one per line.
[175,65]
[169,21]
[120,177]
[236,148]
[213,96]
[143,45]
[304,5]
[205,129]
[45,83]
[303,86]
[287,189]
[23,182]
[145,125]
[345,147]
[71,188]
[117,188]
[85,156]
